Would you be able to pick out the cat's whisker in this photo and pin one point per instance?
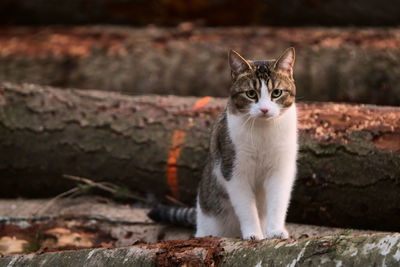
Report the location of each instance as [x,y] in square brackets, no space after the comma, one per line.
[274,123]
[277,124]
[251,131]
[247,120]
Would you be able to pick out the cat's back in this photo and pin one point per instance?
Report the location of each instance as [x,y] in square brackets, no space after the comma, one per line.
[219,138]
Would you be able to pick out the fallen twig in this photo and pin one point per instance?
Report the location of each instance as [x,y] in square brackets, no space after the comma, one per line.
[175,201]
[54,199]
[108,187]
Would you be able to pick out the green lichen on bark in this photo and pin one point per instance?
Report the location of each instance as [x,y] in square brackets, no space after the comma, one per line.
[374,250]
[365,250]
[131,256]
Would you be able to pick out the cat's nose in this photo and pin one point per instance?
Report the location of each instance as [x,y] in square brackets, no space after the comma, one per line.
[264,110]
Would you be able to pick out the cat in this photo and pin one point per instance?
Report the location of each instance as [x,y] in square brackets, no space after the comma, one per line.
[247,181]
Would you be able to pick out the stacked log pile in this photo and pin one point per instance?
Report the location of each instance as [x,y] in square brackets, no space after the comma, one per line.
[121,136]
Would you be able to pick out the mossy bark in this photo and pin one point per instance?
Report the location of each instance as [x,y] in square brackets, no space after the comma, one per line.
[352,65]
[348,166]
[368,250]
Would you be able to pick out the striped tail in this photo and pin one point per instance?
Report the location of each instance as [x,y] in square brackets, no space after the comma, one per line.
[174,215]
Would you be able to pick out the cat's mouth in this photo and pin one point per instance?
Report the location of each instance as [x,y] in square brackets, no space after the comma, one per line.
[265,116]
[268,116]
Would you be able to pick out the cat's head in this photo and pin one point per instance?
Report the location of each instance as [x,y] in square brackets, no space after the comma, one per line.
[264,88]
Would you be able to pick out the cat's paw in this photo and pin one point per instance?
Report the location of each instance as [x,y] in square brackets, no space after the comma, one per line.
[253,236]
[278,233]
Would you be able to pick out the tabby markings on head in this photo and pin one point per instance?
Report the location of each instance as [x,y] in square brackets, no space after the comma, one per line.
[248,78]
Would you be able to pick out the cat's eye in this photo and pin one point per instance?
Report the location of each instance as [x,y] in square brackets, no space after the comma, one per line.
[251,94]
[276,93]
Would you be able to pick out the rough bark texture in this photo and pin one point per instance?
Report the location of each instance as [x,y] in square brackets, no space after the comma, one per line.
[349,162]
[352,65]
[367,250]
[209,12]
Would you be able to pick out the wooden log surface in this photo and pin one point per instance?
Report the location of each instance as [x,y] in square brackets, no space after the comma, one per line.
[332,64]
[349,162]
[365,250]
[113,223]
[118,226]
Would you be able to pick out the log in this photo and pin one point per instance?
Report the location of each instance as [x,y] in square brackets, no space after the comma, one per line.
[349,162]
[351,65]
[365,250]
[118,224]
[209,12]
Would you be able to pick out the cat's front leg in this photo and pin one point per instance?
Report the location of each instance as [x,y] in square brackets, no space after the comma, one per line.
[243,201]
[278,189]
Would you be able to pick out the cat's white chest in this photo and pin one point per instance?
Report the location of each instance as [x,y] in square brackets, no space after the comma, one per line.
[263,146]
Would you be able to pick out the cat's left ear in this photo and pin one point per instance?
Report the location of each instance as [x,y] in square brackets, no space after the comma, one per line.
[238,63]
[286,61]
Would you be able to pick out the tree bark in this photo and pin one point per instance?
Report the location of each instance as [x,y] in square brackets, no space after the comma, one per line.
[348,166]
[366,250]
[352,65]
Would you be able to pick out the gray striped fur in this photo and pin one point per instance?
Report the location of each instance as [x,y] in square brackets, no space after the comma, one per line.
[175,215]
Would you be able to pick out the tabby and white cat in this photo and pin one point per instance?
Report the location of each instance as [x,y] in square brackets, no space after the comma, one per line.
[251,167]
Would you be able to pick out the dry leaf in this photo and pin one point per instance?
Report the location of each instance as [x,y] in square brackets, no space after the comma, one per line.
[10,245]
[62,237]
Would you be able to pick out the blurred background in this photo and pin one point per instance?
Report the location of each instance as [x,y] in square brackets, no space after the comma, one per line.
[141,148]
[347,51]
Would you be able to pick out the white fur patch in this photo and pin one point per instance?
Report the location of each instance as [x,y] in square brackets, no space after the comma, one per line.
[264,102]
[264,171]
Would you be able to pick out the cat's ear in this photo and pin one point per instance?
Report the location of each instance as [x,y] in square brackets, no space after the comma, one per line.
[286,61]
[238,63]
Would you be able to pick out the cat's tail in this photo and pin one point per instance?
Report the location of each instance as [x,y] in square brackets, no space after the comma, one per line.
[174,215]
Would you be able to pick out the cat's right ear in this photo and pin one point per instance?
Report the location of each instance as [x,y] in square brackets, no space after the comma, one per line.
[286,61]
[237,63]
